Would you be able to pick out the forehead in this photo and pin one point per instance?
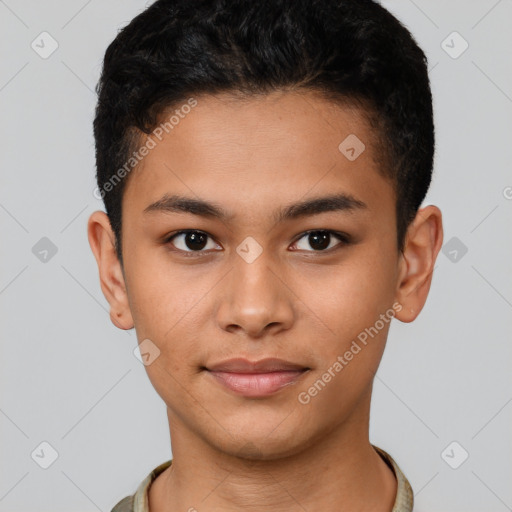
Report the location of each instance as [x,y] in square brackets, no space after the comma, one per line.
[255,120]
[283,145]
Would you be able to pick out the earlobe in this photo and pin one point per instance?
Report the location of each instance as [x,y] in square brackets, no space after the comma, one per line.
[423,242]
[101,239]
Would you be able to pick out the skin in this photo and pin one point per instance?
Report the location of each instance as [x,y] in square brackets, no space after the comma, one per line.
[294,302]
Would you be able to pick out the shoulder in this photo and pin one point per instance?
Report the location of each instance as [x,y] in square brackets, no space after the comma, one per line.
[138,502]
[404,501]
[125,505]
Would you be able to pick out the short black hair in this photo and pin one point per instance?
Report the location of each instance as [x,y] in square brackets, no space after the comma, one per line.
[351,51]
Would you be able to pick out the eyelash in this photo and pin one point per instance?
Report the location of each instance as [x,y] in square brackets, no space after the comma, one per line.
[343,237]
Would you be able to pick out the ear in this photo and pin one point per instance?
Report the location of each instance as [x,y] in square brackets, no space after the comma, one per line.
[102,242]
[423,242]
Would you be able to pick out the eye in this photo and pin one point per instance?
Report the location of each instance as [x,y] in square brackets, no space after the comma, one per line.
[194,241]
[321,240]
[191,241]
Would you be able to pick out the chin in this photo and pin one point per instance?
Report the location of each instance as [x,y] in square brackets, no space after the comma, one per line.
[257,443]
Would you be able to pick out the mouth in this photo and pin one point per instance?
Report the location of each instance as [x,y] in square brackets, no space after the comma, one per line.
[256,379]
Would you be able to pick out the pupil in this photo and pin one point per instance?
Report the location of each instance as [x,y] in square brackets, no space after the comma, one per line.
[319,240]
[195,240]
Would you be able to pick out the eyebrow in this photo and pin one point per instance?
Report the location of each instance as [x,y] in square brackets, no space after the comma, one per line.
[331,203]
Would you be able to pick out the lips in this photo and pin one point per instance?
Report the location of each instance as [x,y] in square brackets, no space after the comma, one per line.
[240,365]
[256,378]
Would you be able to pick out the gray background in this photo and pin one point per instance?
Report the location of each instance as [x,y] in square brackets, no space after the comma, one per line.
[70,378]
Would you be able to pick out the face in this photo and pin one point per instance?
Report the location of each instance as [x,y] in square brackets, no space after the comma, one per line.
[294,257]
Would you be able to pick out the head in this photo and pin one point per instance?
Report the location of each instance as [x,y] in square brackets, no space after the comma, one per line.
[249,124]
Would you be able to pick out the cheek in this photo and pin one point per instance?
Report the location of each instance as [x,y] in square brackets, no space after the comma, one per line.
[350,300]
[350,296]
[163,313]
[173,369]
[161,297]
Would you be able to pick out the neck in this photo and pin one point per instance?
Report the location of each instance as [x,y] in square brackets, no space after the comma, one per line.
[339,472]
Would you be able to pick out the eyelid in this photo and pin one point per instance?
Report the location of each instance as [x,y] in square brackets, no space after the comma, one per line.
[340,234]
[344,238]
[168,239]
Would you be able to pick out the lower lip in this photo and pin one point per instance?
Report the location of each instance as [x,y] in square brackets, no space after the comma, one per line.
[257,384]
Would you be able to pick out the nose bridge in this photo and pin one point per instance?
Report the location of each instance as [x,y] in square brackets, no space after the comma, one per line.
[254,296]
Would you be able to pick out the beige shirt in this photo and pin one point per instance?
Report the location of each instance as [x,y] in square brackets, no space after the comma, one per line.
[138,502]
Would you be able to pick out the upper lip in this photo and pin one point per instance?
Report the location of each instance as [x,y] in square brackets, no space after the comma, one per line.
[241,365]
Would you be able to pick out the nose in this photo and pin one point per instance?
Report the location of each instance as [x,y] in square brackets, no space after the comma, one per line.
[256,299]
